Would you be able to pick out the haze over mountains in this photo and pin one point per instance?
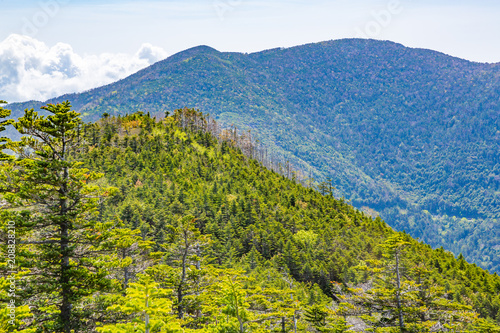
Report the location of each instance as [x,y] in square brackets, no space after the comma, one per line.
[410,134]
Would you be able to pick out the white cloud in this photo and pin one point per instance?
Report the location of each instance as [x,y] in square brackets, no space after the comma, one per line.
[29,69]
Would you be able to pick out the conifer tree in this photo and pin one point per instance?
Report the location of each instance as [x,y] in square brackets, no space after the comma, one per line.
[401,297]
[13,315]
[324,319]
[184,253]
[53,202]
[3,123]
[148,308]
[129,254]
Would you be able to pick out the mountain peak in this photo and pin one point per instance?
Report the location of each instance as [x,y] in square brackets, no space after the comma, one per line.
[201,49]
[197,50]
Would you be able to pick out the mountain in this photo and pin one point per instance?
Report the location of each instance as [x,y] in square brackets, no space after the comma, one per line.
[411,135]
[259,220]
[170,225]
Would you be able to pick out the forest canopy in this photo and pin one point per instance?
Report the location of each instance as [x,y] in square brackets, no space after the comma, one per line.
[140,224]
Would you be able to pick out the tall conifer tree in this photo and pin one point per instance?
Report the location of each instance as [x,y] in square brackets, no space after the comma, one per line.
[53,202]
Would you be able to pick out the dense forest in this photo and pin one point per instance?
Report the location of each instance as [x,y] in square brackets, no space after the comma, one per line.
[410,135]
[142,224]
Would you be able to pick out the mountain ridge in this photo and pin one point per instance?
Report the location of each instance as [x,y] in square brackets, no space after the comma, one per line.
[412,134]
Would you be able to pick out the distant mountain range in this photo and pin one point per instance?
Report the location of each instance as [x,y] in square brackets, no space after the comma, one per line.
[410,134]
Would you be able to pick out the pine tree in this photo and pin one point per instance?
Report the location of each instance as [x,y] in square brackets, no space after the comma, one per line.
[233,302]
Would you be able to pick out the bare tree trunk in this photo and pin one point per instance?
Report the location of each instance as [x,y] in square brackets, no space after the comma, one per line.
[180,292]
[126,275]
[146,319]
[398,294]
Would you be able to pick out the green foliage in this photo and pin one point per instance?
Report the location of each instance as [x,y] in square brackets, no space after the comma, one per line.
[4,141]
[486,326]
[246,211]
[148,306]
[409,134]
[52,203]
[400,296]
[324,319]
[238,248]
[13,318]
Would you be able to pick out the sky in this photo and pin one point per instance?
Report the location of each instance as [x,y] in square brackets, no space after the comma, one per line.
[51,47]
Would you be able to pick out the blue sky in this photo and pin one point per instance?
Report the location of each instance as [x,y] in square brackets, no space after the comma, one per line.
[468,29]
[91,28]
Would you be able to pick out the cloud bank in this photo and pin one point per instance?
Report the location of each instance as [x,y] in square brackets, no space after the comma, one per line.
[31,70]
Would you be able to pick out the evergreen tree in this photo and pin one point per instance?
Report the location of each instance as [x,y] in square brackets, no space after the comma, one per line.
[184,253]
[148,309]
[3,123]
[53,202]
[324,319]
[398,297]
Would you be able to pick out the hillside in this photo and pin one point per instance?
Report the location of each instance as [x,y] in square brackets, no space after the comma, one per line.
[138,224]
[256,217]
[410,134]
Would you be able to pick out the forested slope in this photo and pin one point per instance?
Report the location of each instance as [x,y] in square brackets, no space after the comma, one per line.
[410,134]
[138,224]
[256,215]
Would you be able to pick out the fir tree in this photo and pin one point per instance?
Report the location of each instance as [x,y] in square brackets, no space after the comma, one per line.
[53,201]
[3,140]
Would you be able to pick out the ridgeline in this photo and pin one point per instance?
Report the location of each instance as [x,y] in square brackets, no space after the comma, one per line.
[411,135]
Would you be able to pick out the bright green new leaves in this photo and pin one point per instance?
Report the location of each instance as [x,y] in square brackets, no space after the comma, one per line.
[395,244]
[9,324]
[486,326]
[13,318]
[184,253]
[127,254]
[233,302]
[149,308]
[56,130]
